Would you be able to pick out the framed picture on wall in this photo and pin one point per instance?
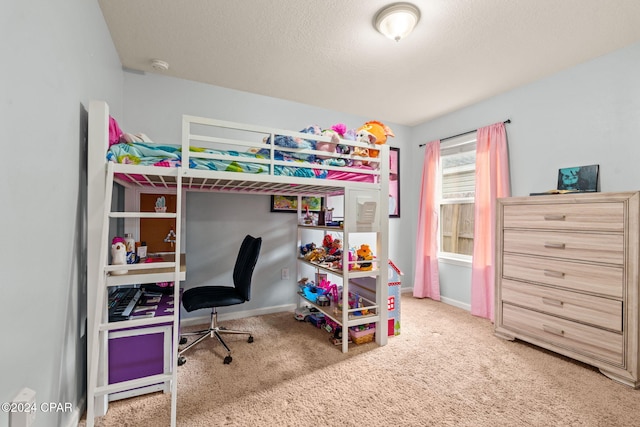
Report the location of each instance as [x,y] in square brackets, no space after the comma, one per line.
[394,182]
[290,203]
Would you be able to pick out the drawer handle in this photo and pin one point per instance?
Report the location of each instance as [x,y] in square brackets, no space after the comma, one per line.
[554,245]
[553,330]
[554,217]
[553,273]
[551,301]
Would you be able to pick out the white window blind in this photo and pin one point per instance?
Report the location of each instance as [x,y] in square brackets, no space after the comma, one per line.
[458,162]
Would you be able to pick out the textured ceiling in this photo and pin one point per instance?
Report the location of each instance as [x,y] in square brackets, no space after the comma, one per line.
[326,52]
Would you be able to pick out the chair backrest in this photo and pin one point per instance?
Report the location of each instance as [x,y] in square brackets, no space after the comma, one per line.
[245,263]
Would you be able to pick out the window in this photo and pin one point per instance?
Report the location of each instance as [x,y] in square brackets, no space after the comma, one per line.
[458,168]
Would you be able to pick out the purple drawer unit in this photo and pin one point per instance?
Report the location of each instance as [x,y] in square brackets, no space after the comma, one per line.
[143,351]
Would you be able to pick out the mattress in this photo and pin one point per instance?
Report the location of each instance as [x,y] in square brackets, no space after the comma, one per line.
[152,154]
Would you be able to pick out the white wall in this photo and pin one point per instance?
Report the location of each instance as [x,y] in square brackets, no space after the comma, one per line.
[589,114]
[154,104]
[56,56]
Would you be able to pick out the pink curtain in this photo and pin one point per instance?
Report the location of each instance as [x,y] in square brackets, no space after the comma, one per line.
[492,182]
[426,283]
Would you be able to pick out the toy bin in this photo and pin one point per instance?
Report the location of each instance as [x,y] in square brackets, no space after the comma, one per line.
[317,319]
[362,336]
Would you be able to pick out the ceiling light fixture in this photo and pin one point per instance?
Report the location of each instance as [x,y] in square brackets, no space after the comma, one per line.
[397,20]
[159,65]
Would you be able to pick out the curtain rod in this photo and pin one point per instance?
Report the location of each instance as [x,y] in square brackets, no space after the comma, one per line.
[463,133]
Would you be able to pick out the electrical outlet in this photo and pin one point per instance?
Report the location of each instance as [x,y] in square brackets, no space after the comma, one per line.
[285,273]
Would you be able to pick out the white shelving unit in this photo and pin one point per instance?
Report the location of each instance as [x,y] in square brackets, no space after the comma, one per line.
[358,227]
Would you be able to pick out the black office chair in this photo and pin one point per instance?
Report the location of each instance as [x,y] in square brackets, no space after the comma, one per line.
[213,297]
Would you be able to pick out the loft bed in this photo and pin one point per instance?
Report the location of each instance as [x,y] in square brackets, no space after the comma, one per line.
[233,157]
[216,156]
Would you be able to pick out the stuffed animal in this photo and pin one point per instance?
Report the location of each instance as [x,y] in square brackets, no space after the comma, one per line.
[115,133]
[327,241]
[376,133]
[360,151]
[316,255]
[329,147]
[305,249]
[335,133]
[118,254]
[364,254]
[336,247]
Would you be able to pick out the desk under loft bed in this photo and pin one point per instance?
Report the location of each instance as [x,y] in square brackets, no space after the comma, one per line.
[229,158]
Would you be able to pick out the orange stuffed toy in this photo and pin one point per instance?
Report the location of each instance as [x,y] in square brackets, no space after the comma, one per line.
[376,132]
[364,254]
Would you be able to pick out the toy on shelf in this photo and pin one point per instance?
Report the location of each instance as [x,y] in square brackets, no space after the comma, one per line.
[330,325]
[363,333]
[364,254]
[323,301]
[303,313]
[317,319]
[309,218]
[358,304]
[161,204]
[334,292]
[336,248]
[311,292]
[118,254]
[305,249]
[317,255]
[326,216]
[327,241]
[351,257]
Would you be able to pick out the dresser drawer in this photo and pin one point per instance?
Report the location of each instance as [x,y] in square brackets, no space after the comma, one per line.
[587,340]
[596,311]
[596,279]
[566,216]
[593,247]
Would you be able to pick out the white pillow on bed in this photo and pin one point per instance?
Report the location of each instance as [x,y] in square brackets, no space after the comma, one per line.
[138,137]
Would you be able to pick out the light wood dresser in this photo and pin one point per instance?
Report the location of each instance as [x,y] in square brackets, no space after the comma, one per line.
[567,277]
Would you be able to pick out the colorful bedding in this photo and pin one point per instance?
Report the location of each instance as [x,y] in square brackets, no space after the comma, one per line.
[150,154]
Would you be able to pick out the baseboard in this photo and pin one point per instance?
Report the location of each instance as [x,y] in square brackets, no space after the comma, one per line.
[450,301]
[78,412]
[456,303]
[200,320]
[192,321]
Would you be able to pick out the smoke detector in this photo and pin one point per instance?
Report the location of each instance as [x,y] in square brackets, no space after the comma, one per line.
[159,65]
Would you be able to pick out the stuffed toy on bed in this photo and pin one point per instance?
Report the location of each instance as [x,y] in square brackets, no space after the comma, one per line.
[329,147]
[376,133]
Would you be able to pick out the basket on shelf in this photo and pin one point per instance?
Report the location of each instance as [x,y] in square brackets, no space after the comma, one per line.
[362,336]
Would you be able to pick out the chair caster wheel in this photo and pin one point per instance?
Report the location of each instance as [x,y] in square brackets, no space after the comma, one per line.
[227,360]
[181,360]
[183,340]
[250,340]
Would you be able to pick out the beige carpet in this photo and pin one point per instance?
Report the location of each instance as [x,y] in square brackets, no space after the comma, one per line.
[445,369]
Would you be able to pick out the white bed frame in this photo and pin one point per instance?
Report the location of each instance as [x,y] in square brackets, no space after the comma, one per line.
[197,132]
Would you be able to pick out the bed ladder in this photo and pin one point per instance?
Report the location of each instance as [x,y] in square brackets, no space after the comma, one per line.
[98,388]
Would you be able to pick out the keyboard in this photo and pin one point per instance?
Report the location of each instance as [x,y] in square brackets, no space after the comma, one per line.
[122,302]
